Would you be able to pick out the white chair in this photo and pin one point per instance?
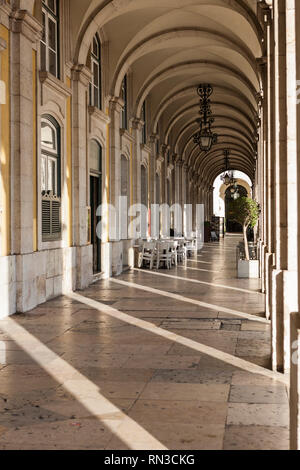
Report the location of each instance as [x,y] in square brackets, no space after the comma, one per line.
[148,254]
[181,251]
[191,246]
[173,246]
[163,254]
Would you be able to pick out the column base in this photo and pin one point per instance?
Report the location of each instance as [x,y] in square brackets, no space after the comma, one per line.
[84,258]
[295,383]
[8,286]
[122,256]
[277,321]
[268,269]
[290,305]
[262,255]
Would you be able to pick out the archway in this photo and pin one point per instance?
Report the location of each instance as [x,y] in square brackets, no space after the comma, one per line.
[231,225]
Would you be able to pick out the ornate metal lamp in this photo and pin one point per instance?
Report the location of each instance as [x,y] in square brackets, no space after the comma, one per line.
[228,175]
[205,138]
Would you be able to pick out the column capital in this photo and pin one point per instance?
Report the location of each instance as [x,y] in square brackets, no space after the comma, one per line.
[153,138]
[165,148]
[262,61]
[137,123]
[178,160]
[21,21]
[81,73]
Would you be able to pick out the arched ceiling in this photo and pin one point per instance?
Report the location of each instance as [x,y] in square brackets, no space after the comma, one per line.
[170,47]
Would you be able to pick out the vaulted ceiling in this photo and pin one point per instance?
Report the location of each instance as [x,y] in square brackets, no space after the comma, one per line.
[169,47]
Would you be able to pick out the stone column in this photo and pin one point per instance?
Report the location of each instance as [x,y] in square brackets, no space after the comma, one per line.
[178,163]
[152,187]
[195,199]
[115,108]
[137,125]
[152,170]
[165,149]
[291,277]
[24,37]
[279,124]
[80,81]
[184,195]
[25,33]
[266,65]
[211,201]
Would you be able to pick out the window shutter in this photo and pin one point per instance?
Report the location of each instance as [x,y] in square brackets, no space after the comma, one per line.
[51,217]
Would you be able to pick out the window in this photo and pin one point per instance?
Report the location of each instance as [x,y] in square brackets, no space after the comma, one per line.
[144,200]
[95,225]
[157,144]
[50,179]
[95,84]
[95,157]
[50,38]
[124,96]
[125,193]
[144,119]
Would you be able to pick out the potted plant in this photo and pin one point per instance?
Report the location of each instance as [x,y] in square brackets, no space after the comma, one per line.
[245,211]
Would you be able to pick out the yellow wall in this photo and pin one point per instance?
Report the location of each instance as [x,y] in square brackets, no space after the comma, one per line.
[69,166]
[34,170]
[107,173]
[5,147]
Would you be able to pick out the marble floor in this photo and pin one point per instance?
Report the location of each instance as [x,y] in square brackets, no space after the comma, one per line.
[174,359]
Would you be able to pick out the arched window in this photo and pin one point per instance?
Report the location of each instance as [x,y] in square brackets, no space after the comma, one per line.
[50,179]
[125,193]
[124,96]
[95,159]
[157,186]
[169,196]
[95,84]
[157,143]
[144,201]
[168,157]
[50,38]
[144,119]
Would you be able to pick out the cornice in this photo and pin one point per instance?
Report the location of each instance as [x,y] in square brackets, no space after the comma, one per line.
[22,22]
[47,79]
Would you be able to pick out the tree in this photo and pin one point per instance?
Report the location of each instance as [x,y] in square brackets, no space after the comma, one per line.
[245,211]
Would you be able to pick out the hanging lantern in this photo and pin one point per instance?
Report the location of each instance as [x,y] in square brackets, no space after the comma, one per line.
[205,138]
[228,175]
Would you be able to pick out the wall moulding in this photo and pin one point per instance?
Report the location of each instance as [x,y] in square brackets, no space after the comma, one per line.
[125,137]
[81,73]
[53,90]
[145,148]
[99,115]
[22,22]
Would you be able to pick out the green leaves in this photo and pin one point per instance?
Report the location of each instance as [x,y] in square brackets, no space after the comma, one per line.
[244,211]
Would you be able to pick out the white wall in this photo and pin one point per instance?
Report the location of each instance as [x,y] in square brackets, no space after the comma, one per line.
[219,204]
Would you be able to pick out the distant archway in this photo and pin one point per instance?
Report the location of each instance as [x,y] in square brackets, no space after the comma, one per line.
[231,225]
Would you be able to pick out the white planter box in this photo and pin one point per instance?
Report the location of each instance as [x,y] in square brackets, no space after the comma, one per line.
[248,269]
